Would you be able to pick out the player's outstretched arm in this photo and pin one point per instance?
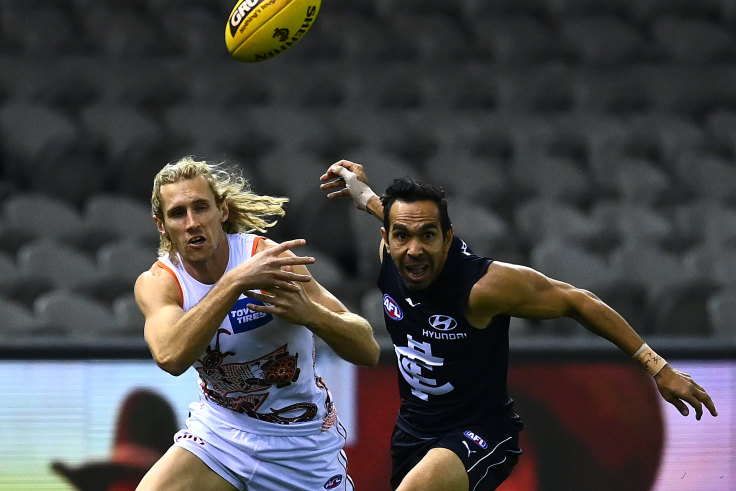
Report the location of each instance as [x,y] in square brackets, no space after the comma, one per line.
[346,178]
[177,338]
[313,306]
[523,292]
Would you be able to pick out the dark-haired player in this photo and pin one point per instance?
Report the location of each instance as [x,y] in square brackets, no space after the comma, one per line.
[447,311]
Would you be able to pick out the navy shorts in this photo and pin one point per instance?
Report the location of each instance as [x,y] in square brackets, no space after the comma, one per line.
[489,453]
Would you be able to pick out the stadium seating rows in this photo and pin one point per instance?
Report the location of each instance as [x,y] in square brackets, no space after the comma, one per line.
[591,140]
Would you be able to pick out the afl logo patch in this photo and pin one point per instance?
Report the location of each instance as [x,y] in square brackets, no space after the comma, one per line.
[442,322]
[476,439]
[333,482]
[392,308]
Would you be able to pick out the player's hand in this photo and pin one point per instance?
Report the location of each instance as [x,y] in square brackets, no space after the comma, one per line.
[345,178]
[676,386]
[272,268]
[292,304]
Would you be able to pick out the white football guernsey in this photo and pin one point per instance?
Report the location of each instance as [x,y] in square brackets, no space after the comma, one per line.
[265,419]
[258,373]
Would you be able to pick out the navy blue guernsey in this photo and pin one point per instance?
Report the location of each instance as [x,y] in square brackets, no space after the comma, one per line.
[450,373]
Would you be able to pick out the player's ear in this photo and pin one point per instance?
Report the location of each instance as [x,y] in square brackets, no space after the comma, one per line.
[159,225]
[447,241]
[384,235]
[225,212]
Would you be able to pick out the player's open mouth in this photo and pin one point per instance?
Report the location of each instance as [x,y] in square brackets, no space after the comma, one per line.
[417,272]
[196,241]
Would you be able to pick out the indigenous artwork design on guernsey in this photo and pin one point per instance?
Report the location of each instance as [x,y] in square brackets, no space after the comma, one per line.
[240,386]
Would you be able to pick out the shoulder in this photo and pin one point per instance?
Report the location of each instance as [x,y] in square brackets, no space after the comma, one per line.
[158,281]
[504,279]
[261,243]
[501,285]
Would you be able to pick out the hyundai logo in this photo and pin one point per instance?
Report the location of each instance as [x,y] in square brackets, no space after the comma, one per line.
[442,322]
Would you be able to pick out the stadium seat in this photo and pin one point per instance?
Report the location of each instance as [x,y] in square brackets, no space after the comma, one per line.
[58,263]
[646,10]
[351,7]
[129,319]
[221,84]
[673,135]
[396,87]
[17,286]
[418,32]
[120,217]
[468,90]
[606,40]
[616,90]
[362,39]
[284,129]
[693,40]
[721,308]
[80,318]
[707,176]
[8,269]
[37,215]
[25,79]
[119,128]
[720,126]
[188,31]
[119,32]
[479,9]
[141,82]
[632,180]
[135,178]
[473,178]
[539,220]
[632,222]
[475,132]
[515,39]
[323,87]
[546,88]
[571,263]
[204,129]
[628,298]
[554,178]
[328,273]
[302,170]
[125,260]
[482,229]
[649,265]
[681,310]
[706,221]
[53,26]
[714,262]
[31,132]
[18,321]
[566,8]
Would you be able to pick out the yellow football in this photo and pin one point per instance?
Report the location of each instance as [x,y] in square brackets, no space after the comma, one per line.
[258,30]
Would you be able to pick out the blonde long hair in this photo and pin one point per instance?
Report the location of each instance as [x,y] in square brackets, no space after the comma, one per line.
[247,211]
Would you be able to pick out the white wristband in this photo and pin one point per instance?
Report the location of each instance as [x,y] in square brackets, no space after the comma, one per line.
[649,359]
[359,191]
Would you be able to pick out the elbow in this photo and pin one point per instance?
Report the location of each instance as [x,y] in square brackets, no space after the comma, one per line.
[173,368]
[171,365]
[365,357]
[168,360]
[371,356]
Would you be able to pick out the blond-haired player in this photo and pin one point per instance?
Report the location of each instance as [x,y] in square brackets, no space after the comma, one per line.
[242,310]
